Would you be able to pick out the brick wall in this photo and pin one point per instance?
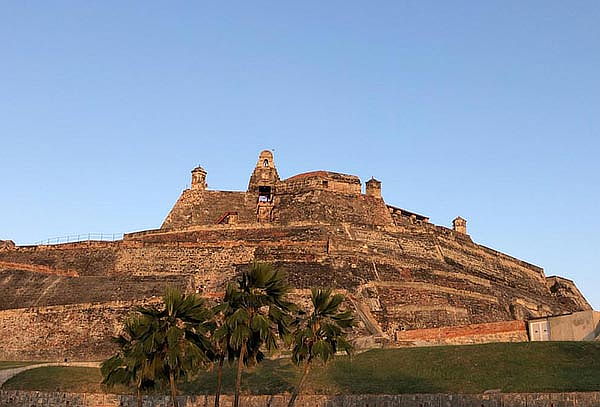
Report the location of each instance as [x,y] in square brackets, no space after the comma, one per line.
[506,331]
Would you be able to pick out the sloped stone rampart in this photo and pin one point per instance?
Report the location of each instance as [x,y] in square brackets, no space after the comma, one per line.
[37,268]
[74,332]
[403,278]
[81,258]
[331,207]
[24,289]
[202,207]
[30,398]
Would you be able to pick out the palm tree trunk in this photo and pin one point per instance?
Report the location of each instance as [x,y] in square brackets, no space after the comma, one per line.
[219,381]
[139,397]
[238,379]
[173,390]
[298,389]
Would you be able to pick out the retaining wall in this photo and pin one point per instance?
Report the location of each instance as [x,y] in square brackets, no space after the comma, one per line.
[30,398]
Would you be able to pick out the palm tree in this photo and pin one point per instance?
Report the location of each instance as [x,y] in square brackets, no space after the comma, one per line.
[320,334]
[256,313]
[129,367]
[223,350]
[220,342]
[176,340]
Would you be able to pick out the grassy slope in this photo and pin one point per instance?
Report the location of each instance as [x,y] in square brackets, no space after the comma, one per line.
[522,367]
[12,364]
[54,378]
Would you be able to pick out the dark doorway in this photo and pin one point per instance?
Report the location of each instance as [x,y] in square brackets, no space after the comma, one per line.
[264,194]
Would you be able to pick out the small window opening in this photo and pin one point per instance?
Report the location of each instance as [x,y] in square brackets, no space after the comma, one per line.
[264,194]
[266,163]
[325,184]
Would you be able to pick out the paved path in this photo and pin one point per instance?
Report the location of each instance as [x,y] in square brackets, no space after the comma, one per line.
[8,373]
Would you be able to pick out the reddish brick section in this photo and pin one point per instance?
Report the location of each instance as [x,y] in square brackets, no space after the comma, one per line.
[505,331]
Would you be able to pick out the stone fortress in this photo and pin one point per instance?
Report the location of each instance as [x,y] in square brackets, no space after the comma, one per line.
[409,281]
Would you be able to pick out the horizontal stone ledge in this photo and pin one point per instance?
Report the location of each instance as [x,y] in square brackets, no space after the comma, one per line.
[431,287]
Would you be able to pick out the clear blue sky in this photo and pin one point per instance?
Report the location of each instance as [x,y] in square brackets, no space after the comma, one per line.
[488,110]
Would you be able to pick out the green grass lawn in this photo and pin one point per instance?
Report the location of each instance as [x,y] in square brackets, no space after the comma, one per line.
[12,364]
[56,378]
[511,367]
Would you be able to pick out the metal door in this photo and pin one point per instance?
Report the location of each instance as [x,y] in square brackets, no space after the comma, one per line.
[540,330]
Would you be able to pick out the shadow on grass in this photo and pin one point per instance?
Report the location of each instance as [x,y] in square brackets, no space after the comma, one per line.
[363,375]
[59,379]
[270,377]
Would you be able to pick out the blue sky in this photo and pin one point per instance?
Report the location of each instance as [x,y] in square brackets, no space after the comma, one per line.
[488,110]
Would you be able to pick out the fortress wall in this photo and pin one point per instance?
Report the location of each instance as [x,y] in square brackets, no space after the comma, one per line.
[212,256]
[523,286]
[75,332]
[413,278]
[305,275]
[301,185]
[82,258]
[201,207]
[407,277]
[566,294]
[481,258]
[226,234]
[412,305]
[21,289]
[399,270]
[331,207]
[320,180]
[208,266]
[37,268]
[297,252]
